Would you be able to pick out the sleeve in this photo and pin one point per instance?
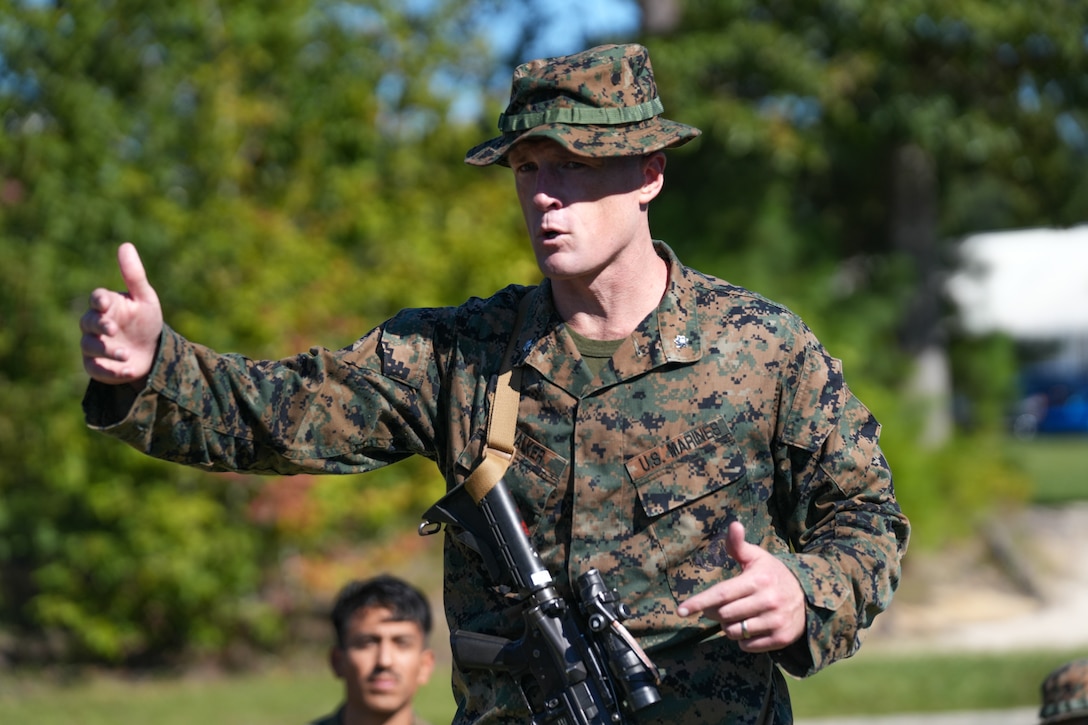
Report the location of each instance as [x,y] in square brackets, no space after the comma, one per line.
[847,532]
[346,411]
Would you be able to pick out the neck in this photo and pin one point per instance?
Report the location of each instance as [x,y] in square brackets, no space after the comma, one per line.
[613,303]
[359,716]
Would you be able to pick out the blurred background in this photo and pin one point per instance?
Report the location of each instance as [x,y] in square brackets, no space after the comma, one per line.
[910,177]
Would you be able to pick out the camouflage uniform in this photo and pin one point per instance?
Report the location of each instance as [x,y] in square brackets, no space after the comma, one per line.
[1065,695]
[721,406]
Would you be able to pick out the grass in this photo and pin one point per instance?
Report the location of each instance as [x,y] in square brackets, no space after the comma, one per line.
[872,684]
[888,684]
[1058,464]
[281,696]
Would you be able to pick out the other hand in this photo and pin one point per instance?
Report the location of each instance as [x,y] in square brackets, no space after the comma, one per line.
[121,329]
[763,607]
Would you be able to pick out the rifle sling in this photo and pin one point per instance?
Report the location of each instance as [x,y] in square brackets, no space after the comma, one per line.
[502,420]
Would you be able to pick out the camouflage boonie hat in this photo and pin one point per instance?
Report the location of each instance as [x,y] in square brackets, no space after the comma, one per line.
[1065,693]
[600,102]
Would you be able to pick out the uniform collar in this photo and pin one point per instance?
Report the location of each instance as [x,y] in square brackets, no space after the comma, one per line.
[670,334]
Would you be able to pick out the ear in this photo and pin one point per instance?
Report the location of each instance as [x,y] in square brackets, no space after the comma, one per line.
[653,176]
[336,661]
[426,666]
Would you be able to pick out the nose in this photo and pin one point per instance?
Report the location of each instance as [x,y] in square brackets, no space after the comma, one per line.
[385,654]
[544,202]
[546,189]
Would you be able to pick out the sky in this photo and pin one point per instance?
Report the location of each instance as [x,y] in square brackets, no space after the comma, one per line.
[569,26]
[569,23]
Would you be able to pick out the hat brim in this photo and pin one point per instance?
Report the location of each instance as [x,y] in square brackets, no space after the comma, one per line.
[629,139]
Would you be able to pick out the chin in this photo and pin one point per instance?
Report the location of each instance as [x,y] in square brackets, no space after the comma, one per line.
[552,267]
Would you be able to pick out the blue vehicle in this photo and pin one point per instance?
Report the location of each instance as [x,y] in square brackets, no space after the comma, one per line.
[1052,404]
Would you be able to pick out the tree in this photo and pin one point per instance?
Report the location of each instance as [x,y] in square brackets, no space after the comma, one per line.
[288,173]
[830,98]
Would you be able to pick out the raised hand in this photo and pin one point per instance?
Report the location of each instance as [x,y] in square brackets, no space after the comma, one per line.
[121,329]
[763,607]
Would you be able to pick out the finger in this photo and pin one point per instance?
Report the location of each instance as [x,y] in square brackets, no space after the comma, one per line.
[97,346]
[759,643]
[132,271]
[97,323]
[102,368]
[744,629]
[92,345]
[738,548]
[757,635]
[101,299]
[715,601]
[106,375]
[111,367]
[91,323]
[707,602]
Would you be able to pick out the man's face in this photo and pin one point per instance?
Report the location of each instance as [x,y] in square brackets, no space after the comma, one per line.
[383,661]
[582,213]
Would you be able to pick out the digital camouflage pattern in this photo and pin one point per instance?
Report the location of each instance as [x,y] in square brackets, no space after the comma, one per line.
[600,102]
[1065,694]
[721,406]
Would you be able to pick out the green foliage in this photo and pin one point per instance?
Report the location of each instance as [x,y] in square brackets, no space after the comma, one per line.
[969,479]
[819,96]
[156,556]
[985,370]
[290,178]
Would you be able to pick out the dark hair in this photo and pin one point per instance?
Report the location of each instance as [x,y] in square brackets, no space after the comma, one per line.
[398,596]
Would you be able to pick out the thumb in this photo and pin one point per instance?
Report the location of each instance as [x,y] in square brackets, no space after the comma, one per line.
[738,548]
[132,272]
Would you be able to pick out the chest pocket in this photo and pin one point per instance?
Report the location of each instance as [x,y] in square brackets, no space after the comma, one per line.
[690,488]
[533,476]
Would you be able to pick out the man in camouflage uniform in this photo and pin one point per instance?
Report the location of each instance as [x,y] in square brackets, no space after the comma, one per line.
[690,439]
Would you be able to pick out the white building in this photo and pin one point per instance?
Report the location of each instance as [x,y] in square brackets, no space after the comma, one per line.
[1030,284]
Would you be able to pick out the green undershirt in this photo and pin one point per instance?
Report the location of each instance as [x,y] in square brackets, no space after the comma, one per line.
[595,353]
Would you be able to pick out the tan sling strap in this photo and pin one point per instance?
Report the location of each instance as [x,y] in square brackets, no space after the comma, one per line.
[502,420]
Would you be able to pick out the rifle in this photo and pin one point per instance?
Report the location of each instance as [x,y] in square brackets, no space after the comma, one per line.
[575,665]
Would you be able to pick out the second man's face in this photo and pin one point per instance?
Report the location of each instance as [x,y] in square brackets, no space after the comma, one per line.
[383,661]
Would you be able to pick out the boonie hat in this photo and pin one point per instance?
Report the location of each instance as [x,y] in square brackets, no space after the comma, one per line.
[1065,693]
[600,102]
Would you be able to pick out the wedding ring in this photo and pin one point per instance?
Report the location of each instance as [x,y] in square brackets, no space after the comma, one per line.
[744,629]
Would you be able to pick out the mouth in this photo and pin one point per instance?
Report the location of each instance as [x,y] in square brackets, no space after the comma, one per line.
[548,234]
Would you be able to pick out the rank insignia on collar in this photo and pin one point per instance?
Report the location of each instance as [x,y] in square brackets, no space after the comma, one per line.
[681,342]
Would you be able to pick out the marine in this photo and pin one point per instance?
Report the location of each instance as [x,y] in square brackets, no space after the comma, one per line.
[714,465]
